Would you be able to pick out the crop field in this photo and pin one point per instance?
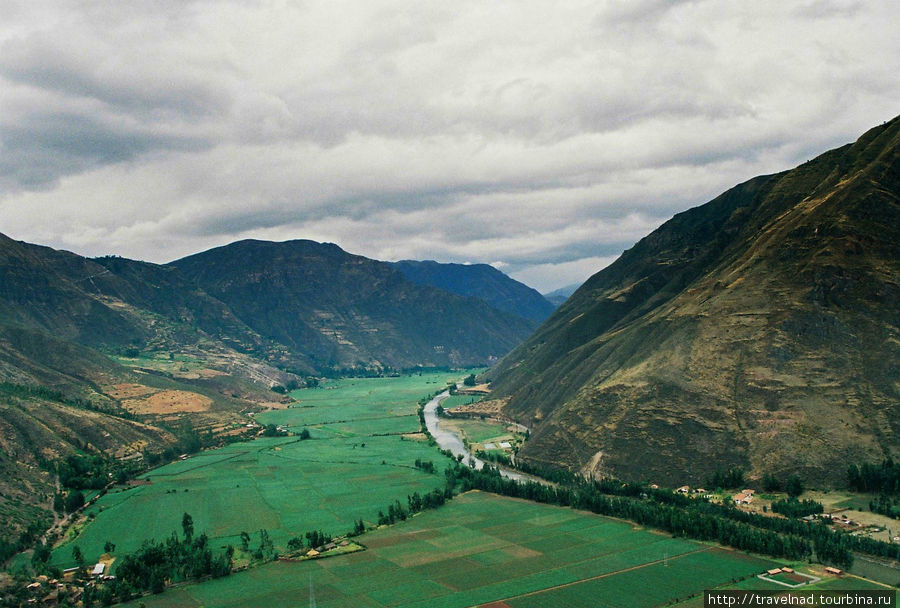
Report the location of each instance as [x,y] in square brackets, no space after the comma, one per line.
[458,400]
[355,464]
[482,548]
[480,431]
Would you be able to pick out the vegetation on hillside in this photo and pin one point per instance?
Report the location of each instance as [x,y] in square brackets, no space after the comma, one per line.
[756,331]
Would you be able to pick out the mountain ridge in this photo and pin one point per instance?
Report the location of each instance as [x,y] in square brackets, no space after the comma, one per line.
[352,309]
[481,281]
[730,332]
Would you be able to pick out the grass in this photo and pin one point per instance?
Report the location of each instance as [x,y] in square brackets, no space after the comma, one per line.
[458,400]
[482,548]
[355,464]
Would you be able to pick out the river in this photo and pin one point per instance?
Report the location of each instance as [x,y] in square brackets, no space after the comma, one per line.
[448,440]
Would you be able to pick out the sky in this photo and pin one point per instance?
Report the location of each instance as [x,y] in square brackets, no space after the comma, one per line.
[541,137]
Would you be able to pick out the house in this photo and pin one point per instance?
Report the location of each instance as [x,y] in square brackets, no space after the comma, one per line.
[742,499]
[98,570]
[773,571]
[834,571]
[788,570]
[683,490]
[748,492]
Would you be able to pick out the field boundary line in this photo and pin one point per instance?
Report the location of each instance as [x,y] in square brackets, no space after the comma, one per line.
[199,466]
[598,577]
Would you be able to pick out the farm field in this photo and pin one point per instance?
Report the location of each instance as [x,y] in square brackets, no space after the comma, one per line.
[482,548]
[356,463]
[458,400]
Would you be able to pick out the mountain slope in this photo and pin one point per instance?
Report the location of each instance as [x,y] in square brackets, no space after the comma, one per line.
[347,311]
[480,281]
[759,330]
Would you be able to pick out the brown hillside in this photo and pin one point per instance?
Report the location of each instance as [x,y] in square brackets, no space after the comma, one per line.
[759,330]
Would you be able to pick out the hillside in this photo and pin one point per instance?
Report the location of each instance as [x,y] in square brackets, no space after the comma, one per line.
[349,312]
[480,281]
[140,353]
[759,330]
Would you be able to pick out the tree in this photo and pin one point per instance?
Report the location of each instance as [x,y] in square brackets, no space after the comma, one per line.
[794,486]
[187,525]
[771,483]
[78,556]
[304,434]
[74,501]
[245,541]
[295,543]
[469,380]
[109,547]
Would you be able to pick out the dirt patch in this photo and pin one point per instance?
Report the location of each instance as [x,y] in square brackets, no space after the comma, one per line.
[275,405]
[415,436]
[166,402]
[492,408]
[130,390]
[195,374]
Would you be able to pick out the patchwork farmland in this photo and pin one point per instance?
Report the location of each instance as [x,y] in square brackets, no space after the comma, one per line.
[481,548]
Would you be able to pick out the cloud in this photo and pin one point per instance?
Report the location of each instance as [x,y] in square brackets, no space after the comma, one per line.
[548,137]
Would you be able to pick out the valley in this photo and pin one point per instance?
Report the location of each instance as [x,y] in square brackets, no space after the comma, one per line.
[364,454]
[263,420]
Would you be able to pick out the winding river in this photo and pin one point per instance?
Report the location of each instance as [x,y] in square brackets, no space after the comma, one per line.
[448,440]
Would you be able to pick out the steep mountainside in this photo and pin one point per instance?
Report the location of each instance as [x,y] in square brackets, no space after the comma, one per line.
[61,315]
[480,281]
[37,429]
[347,311]
[759,330]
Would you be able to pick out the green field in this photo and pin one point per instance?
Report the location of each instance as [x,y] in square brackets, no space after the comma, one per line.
[480,431]
[458,400]
[483,548]
[355,464]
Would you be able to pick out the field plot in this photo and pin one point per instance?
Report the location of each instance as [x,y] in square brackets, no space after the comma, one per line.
[355,464]
[482,548]
[358,400]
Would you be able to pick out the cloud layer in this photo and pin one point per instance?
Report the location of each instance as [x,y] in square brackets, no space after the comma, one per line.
[543,137]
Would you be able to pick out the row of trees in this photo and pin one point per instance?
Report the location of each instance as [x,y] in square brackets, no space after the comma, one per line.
[791,507]
[885,505]
[681,516]
[874,478]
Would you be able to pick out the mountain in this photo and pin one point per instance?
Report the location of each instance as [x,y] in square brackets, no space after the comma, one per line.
[480,281]
[345,311]
[759,331]
[558,296]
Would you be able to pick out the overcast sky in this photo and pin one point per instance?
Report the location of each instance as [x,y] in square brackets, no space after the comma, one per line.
[541,137]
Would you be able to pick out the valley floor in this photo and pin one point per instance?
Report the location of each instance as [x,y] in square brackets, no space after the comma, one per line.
[365,454]
[483,549]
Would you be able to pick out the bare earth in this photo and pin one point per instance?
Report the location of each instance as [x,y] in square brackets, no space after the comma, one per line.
[166,402]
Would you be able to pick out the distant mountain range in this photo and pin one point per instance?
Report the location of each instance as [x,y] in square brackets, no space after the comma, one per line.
[335,310]
[760,331]
[479,281]
[558,296]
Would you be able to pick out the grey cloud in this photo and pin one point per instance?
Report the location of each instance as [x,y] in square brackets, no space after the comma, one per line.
[544,136]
